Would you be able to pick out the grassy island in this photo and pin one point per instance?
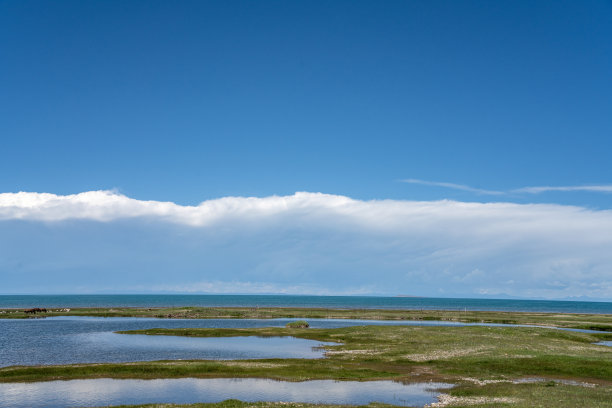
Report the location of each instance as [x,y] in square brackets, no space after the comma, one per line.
[601,322]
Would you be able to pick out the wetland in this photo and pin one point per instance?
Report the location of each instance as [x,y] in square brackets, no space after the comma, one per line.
[488,365]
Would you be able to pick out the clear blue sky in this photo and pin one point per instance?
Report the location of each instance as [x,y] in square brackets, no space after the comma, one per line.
[190,100]
[483,103]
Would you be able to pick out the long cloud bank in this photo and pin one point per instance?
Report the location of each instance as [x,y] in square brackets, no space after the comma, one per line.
[322,243]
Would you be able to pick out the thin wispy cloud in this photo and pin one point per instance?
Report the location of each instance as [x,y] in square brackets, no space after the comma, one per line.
[544,189]
[605,188]
[453,186]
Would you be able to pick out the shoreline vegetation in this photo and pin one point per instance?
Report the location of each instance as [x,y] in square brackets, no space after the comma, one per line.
[599,322]
[491,366]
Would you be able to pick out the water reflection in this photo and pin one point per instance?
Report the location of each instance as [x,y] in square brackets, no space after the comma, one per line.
[92,340]
[69,340]
[97,392]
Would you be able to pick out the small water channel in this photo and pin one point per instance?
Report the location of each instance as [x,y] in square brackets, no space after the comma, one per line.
[97,392]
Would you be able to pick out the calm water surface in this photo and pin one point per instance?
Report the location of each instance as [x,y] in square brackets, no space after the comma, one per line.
[70,340]
[96,392]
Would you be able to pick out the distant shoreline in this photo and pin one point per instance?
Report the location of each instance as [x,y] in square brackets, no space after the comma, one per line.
[402,302]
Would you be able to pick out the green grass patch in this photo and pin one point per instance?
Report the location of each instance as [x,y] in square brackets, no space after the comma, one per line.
[600,322]
[299,324]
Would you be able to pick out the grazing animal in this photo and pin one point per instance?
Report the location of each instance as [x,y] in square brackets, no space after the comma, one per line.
[36,310]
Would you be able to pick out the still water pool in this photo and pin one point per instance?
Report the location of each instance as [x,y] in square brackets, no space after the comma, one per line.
[93,340]
[96,392]
[71,339]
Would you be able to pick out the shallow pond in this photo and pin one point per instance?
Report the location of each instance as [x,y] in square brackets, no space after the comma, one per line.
[96,392]
[93,340]
[69,340]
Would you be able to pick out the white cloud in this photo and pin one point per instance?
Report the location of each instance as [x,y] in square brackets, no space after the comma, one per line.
[232,287]
[306,243]
[109,205]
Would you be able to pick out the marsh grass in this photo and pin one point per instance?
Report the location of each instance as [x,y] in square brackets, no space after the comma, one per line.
[600,322]
[298,324]
[378,352]
[484,362]
[544,394]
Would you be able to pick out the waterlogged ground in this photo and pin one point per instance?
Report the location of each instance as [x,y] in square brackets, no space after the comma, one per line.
[602,322]
[490,366]
[71,340]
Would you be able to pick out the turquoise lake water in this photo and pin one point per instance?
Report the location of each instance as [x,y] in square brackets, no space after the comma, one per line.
[348,302]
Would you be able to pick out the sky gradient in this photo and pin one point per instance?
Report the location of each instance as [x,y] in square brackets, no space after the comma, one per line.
[502,108]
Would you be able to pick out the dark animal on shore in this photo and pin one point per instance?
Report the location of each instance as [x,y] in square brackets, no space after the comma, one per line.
[36,310]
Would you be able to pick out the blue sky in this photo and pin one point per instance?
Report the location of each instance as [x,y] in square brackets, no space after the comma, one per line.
[469,101]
